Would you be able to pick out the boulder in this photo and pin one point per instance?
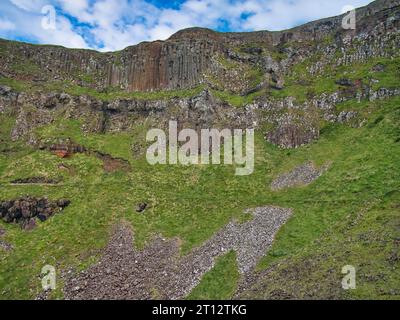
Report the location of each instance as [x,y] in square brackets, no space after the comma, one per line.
[4,90]
[378,67]
[345,82]
[28,225]
[141,207]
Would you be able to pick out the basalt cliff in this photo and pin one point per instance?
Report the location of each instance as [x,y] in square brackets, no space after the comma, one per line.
[284,83]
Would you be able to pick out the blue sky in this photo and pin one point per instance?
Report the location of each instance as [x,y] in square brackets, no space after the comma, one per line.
[109,25]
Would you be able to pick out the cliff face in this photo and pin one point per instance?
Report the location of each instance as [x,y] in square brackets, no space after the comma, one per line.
[183,60]
[173,64]
[285,81]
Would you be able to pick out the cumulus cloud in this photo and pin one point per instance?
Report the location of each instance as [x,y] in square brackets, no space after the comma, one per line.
[109,25]
[29,5]
[27,21]
[284,14]
[6,25]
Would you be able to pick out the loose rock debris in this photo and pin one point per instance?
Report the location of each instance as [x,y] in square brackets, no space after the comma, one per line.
[159,272]
[302,175]
[3,244]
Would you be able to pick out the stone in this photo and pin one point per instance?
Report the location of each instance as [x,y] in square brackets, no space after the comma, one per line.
[141,207]
[29,225]
[345,82]
[5,246]
[42,217]
[292,132]
[63,203]
[182,61]
[145,270]
[378,67]
[4,90]
[346,116]
[36,180]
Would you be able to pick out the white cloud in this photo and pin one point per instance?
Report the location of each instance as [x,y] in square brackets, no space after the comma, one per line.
[63,35]
[6,25]
[76,8]
[29,5]
[115,24]
[284,14]
[28,25]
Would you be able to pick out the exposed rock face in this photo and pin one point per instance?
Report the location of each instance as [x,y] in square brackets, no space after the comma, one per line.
[292,132]
[174,64]
[65,147]
[111,164]
[291,124]
[230,63]
[26,210]
[183,60]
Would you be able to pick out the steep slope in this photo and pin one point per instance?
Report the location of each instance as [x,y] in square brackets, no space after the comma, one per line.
[73,126]
[286,80]
[186,58]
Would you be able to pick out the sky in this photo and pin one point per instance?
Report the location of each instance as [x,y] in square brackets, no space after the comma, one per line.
[110,25]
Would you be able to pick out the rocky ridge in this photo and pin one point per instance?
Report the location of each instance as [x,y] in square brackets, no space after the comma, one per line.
[183,60]
[238,64]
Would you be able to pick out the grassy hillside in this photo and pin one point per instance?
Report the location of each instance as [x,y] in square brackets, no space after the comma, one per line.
[349,216]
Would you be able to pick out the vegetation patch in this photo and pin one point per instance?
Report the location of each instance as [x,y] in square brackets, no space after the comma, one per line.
[364,168]
[235,100]
[220,283]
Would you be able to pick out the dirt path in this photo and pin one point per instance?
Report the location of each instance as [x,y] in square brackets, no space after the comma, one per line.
[158,271]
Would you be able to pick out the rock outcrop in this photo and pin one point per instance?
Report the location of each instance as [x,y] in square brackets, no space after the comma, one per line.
[292,132]
[25,211]
[216,64]
[183,60]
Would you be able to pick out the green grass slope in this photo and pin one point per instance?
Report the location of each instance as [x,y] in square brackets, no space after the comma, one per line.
[349,216]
